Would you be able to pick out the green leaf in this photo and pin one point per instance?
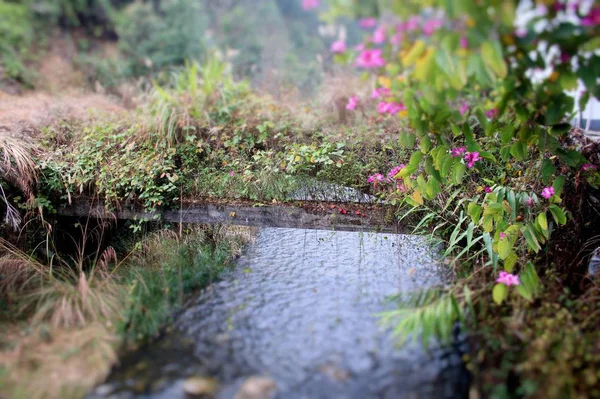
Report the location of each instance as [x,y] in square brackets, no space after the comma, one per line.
[542,221]
[529,234]
[458,173]
[558,185]
[507,133]
[548,170]
[558,214]
[504,248]
[491,53]
[510,262]
[407,139]
[518,150]
[499,293]
[425,144]
[474,212]
[413,164]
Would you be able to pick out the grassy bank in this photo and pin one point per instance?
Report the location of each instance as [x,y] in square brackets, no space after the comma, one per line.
[65,321]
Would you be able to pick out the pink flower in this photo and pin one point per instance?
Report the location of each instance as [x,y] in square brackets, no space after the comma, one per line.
[593,18]
[588,166]
[521,32]
[367,23]
[558,6]
[309,4]
[394,171]
[565,57]
[492,113]
[397,39]
[530,202]
[412,24]
[458,151]
[508,279]
[370,59]
[471,158]
[464,43]
[339,46]
[377,177]
[352,103]
[431,26]
[359,47]
[380,92]
[232,173]
[390,108]
[502,236]
[464,108]
[487,189]
[548,192]
[378,36]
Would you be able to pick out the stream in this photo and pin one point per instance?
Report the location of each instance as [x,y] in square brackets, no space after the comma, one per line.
[297,318]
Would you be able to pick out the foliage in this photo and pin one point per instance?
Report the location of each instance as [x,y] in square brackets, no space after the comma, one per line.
[153,38]
[474,108]
[143,172]
[197,96]
[17,34]
[492,163]
[178,267]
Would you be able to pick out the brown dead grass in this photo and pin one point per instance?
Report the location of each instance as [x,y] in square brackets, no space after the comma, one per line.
[23,116]
[54,363]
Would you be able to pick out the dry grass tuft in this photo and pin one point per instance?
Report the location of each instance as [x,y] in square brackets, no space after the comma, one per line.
[18,169]
[48,362]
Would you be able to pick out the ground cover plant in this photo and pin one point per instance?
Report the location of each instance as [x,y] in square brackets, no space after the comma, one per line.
[69,316]
[494,170]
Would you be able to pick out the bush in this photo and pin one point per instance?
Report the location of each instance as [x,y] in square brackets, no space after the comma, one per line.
[151,41]
[16,37]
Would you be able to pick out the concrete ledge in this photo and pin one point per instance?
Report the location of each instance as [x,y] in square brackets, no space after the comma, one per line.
[242,215]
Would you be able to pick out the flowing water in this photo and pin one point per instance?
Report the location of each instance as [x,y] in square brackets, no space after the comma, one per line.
[301,309]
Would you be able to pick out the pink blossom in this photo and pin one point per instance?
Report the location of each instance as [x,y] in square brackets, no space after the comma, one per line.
[530,202]
[548,192]
[565,57]
[401,187]
[378,36]
[412,24]
[593,18]
[232,173]
[397,39]
[464,43]
[431,26]
[339,46]
[359,47]
[492,113]
[458,151]
[390,108]
[394,171]
[309,4]
[487,189]
[521,32]
[367,23]
[502,236]
[464,108]
[588,166]
[508,279]
[352,103]
[471,158]
[377,177]
[380,92]
[558,6]
[370,59]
